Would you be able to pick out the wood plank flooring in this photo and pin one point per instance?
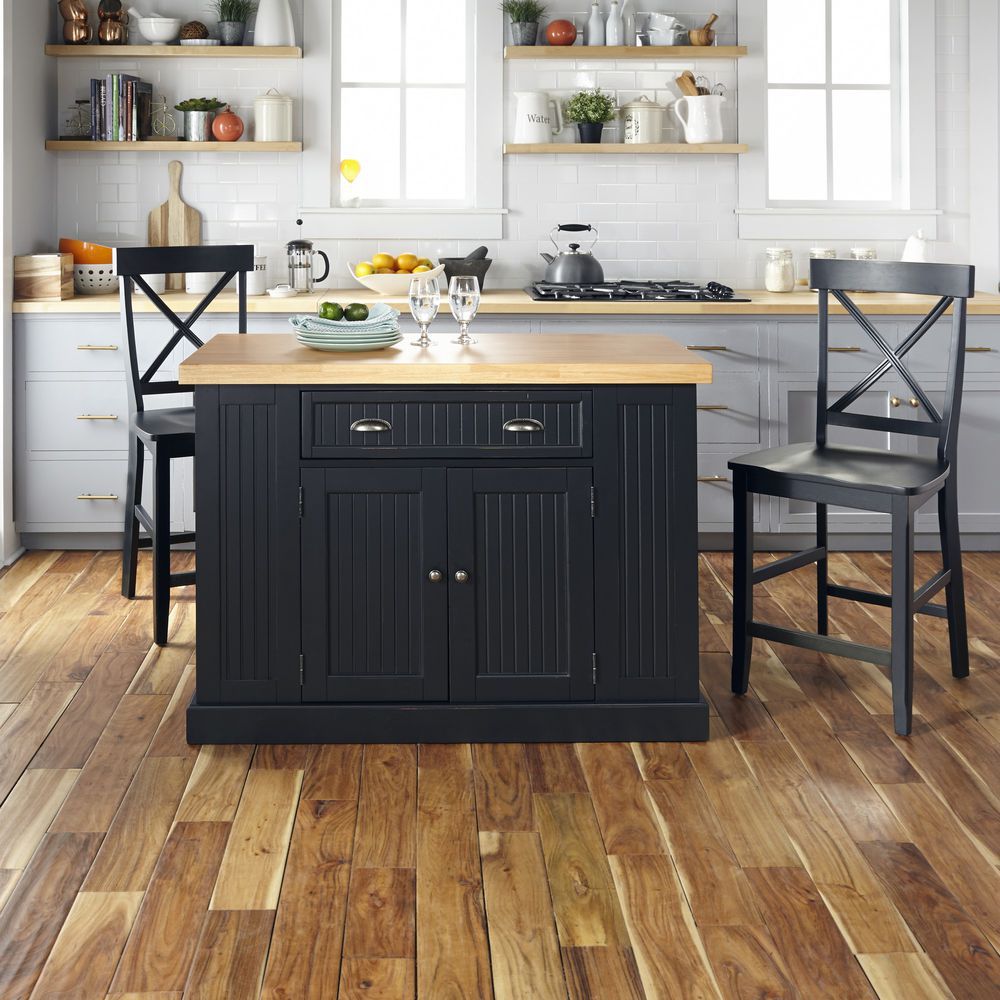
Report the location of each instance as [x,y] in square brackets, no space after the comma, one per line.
[805,851]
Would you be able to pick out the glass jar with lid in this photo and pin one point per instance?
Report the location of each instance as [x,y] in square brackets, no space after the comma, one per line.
[779,271]
[821,253]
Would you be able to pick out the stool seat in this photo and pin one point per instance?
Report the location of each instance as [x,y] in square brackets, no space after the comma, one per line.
[152,425]
[851,466]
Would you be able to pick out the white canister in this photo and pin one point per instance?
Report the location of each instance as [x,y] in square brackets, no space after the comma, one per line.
[643,120]
[200,282]
[272,117]
[257,278]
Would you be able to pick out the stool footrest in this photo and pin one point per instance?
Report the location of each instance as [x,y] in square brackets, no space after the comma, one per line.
[864,596]
[185,579]
[788,563]
[819,643]
[933,586]
[176,538]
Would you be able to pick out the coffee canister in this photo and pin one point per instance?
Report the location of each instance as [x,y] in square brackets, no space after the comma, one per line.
[643,120]
[272,117]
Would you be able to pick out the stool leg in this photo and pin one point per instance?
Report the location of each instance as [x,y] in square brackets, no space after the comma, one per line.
[161,545]
[742,582]
[822,579]
[901,664]
[130,537]
[954,592]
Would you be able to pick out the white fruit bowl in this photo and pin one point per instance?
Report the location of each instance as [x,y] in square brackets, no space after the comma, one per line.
[393,284]
[159,30]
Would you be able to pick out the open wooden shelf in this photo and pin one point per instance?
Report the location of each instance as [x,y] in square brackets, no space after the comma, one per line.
[624,147]
[171,146]
[163,51]
[689,52]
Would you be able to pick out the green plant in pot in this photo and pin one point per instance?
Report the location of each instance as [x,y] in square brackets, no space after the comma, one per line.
[524,17]
[233,16]
[198,115]
[590,109]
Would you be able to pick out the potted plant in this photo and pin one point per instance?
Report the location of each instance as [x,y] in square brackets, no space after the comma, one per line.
[198,115]
[233,16]
[590,109]
[524,17]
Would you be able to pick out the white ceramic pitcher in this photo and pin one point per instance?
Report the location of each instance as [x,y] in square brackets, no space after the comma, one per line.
[537,117]
[703,121]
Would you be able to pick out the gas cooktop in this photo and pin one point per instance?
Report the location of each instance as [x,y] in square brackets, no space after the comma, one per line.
[633,291]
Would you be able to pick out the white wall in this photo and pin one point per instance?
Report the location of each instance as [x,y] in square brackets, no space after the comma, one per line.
[659,217]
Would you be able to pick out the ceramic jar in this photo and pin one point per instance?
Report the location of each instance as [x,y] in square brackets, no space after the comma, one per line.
[643,121]
[272,117]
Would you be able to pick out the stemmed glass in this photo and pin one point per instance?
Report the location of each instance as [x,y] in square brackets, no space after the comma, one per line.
[425,300]
[463,293]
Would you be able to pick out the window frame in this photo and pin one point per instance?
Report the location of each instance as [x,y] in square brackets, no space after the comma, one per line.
[759,218]
[321,209]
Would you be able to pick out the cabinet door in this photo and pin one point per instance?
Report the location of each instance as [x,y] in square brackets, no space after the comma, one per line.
[520,551]
[374,624]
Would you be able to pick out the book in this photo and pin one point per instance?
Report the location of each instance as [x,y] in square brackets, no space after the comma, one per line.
[144,110]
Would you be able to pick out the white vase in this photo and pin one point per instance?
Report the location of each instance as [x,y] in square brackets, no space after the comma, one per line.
[614,29]
[274,23]
[628,22]
[595,25]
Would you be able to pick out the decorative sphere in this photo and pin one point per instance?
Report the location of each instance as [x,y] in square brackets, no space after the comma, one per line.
[561,32]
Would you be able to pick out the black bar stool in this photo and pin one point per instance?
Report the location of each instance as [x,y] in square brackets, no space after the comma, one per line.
[170,432]
[866,479]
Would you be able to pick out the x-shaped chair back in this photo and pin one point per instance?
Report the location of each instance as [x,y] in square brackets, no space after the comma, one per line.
[132,263]
[953,284]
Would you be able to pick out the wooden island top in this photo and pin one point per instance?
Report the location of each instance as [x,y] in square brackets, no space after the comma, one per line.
[497,359]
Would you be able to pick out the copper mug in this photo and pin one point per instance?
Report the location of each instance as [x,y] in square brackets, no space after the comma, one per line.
[76,30]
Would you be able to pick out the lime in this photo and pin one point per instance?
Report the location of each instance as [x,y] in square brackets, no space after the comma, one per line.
[356,312]
[331,310]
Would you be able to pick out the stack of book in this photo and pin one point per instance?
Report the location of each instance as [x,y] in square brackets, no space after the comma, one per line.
[120,109]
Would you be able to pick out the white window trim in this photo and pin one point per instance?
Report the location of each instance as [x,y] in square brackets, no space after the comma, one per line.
[321,209]
[984,142]
[757,220]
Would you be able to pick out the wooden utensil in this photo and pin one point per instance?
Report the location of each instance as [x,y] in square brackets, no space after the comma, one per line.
[686,85]
[705,35]
[174,223]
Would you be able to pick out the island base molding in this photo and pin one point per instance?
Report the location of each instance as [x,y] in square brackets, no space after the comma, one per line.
[529,723]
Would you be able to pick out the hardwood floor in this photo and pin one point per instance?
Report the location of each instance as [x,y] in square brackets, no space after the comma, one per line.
[804,851]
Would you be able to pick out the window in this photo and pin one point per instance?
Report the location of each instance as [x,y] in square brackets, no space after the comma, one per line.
[405,104]
[837,105]
[412,90]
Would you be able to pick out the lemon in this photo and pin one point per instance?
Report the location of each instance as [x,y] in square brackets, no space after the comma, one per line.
[425,262]
[385,270]
[383,260]
[421,269]
[363,269]
[350,169]
[407,261]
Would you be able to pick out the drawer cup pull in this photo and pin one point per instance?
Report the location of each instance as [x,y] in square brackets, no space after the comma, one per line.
[524,425]
[97,416]
[98,496]
[978,350]
[711,406]
[371,425]
[843,350]
[713,479]
[97,347]
[708,347]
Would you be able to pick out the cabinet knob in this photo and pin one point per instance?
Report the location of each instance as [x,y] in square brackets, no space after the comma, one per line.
[894,401]
[435,576]
[461,576]
[914,402]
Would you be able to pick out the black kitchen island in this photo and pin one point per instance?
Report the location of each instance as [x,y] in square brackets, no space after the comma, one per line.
[492,543]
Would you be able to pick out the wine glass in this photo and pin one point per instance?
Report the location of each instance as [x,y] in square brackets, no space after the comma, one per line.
[463,292]
[425,300]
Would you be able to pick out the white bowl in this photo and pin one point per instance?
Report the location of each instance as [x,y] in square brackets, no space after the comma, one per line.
[159,30]
[94,279]
[393,284]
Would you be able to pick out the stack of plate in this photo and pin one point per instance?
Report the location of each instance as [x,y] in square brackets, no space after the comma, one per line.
[381,329]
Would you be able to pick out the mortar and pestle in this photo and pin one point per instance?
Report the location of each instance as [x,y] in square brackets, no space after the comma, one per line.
[475,264]
[705,35]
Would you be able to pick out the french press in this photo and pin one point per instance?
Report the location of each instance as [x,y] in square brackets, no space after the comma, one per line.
[300,264]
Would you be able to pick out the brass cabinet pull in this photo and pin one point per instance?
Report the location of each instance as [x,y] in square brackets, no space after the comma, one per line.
[524,425]
[98,496]
[914,402]
[371,425]
[97,347]
[711,406]
[713,479]
[978,350]
[708,347]
[97,416]
[894,401]
[843,350]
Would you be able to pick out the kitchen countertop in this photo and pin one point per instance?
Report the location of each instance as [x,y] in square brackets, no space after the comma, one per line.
[511,359]
[514,301]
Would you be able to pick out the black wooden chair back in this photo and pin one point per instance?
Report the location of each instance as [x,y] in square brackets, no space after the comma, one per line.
[954,284]
[131,263]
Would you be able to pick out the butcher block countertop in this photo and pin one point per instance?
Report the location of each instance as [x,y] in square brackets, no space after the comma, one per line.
[497,359]
[515,301]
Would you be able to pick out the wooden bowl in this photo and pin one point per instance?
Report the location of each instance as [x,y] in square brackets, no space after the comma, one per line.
[702,36]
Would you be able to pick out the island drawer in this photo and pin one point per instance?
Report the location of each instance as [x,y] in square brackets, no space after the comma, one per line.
[455,423]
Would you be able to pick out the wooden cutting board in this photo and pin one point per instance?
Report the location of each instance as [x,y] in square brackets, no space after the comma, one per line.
[174,223]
